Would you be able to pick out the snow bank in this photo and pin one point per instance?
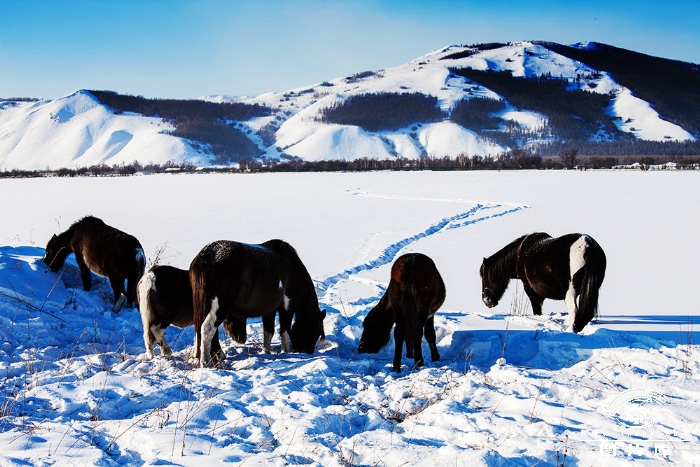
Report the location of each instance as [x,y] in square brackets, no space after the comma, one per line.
[510,389]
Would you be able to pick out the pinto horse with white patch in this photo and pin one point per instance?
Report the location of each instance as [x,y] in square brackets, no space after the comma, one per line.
[165,298]
[416,291]
[564,268]
[104,250]
[232,280]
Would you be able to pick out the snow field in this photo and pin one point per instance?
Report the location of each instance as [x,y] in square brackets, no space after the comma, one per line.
[511,389]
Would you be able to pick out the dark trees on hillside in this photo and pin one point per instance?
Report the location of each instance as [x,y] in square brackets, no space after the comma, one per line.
[663,149]
[180,109]
[200,121]
[383,111]
[475,113]
[671,86]
[572,114]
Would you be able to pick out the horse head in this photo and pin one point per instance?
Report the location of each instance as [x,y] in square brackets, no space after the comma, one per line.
[51,256]
[305,334]
[376,329]
[493,284]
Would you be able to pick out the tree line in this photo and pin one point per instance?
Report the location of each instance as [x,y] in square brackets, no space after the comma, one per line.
[517,159]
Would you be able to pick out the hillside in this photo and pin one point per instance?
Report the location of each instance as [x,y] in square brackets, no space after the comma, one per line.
[479,100]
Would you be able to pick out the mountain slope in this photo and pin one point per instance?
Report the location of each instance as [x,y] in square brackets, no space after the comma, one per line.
[607,87]
[78,131]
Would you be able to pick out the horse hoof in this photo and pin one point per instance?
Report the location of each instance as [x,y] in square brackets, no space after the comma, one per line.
[118,304]
[145,357]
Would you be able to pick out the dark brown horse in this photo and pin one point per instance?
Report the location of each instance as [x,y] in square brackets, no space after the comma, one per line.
[104,250]
[232,280]
[415,293]
[165,298]
[564,268]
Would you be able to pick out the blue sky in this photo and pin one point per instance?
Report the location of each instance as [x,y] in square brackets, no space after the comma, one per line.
[185,49]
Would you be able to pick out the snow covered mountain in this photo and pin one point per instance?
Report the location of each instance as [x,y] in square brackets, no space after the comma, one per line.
[79,131]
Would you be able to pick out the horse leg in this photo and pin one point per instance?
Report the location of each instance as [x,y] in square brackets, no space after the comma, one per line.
[285,327]
[84,272]
[148,340]
[414,336]
[535,300]
[431,338]
[398,345]
[570,301]
[158,334]
[118,291]
[217,355]
[268,331]
[209,329]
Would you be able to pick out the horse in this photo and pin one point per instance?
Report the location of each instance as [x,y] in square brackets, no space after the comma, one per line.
[416,291]
[104,250]
[232,280]
[564,268]
[165,298]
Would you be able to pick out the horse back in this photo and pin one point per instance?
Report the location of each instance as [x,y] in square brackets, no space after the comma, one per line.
[248,280]
[105,249]
[414,276]
[546,263]
[172,300]
[298,280]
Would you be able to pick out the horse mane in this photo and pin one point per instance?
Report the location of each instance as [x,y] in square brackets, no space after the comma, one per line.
[85,220]
[503,263]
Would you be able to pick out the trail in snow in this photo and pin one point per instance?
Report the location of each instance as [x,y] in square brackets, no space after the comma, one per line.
[390,253]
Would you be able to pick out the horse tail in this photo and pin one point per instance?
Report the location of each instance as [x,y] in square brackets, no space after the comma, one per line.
[146,285]
[409,303]
[139,268]
[198,280]
[593,273]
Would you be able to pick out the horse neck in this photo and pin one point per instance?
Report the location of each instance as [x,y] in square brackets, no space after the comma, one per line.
[63,246]
[506,260]
[384,314]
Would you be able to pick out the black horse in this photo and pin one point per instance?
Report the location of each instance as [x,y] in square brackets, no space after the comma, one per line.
[564,268]
[104,250]
[232,280]
[165,298]
[415,293]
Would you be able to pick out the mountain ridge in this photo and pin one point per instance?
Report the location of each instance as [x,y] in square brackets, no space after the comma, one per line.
[84,129]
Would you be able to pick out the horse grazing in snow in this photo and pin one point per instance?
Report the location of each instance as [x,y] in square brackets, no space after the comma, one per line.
[564,268]
[415,293]
[232,280]
[165,298]
[104,250]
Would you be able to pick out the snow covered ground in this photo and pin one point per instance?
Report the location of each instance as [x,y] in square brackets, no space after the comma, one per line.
[510,389]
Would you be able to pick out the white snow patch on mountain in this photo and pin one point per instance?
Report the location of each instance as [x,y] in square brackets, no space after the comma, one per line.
[639,118]
[78,131]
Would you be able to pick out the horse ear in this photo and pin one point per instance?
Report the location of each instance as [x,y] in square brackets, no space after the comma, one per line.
[323,315]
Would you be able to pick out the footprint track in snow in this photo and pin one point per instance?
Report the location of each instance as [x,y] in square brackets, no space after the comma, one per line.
[481,211]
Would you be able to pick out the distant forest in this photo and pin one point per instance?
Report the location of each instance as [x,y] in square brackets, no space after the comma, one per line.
[671,86]
[204,122]
[475,113]
[516,159]
[383,111]
[573,115]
